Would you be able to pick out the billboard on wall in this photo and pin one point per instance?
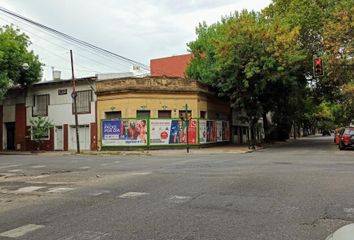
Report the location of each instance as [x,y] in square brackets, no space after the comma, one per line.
[219,131]
[213,131]
[165,131]
[226,131]
[162,132]
[202,131]
[124,132]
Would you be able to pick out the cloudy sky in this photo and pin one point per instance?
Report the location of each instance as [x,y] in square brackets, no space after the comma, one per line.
[139,29]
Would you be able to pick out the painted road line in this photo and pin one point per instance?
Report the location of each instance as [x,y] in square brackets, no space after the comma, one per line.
[133,194]
[40,176]
[85,167]
[6,175]
[98,193]
[179,199]
[60,190]
[21,231]
[15,170]
[50,183]
[38,166]
[141,173]
[9,166]
[28,189]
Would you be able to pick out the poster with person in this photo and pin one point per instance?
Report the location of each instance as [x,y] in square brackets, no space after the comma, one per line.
[211,131]
[165,131]
[202,131]
[226,131]
[219,131]
[124,132]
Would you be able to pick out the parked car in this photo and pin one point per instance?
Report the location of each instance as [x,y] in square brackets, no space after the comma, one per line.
[347,138]
[337,134]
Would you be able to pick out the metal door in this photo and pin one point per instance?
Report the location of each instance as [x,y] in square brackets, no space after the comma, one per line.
[59,138]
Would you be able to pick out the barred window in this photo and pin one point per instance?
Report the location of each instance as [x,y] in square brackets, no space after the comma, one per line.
[83,101]
[40,105]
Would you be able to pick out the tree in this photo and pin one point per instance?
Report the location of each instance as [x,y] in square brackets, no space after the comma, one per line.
[18,65]
[40,127]
[326,30]
[248,60]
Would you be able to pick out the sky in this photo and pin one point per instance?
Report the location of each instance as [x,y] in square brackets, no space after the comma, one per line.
[140,30]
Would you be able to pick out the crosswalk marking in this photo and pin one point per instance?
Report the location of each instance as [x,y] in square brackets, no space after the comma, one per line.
[15,170]
[99,193]
[141,173]
[28,189]
[21,231]
[38,166]
[179,199]
[60,189]
[9,166]
[133,194]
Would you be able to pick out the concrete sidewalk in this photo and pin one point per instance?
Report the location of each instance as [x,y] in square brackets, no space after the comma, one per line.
[232,149]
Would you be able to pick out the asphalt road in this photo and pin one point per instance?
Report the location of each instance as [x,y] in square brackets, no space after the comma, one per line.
[299,190]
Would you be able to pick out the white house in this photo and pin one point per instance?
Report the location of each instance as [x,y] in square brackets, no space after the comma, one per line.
[53,100]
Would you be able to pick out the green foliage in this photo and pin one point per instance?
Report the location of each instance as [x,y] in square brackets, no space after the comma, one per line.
[248,60]
[14,54]
[259,61]
[40,127]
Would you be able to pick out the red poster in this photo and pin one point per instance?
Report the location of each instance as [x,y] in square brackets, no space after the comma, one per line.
[192,132]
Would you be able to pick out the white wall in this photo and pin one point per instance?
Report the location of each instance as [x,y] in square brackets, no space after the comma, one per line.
[60,107]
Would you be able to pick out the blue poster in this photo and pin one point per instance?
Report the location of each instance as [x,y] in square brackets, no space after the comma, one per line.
[124,132]
[111,130]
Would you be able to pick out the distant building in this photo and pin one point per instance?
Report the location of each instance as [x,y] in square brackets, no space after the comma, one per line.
[174,66]
[135,71]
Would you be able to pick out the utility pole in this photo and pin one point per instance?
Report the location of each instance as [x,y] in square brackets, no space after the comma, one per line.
[74,96]
[187,122]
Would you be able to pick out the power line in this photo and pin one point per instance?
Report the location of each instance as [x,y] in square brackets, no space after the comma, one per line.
[62,39]
[73,39]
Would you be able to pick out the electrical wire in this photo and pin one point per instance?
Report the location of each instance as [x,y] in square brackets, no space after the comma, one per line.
[75,40]
[50,42]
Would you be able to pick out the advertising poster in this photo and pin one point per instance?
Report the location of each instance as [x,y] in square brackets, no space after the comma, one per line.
[163,132]
[226,130]
[202,131]
[219,131]
[160,131]
[211,131]
[124,132]
[192,132]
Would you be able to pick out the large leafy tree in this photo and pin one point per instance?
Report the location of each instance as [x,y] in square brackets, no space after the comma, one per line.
[18,65]
[262,61]
[326,30]
[249,60]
